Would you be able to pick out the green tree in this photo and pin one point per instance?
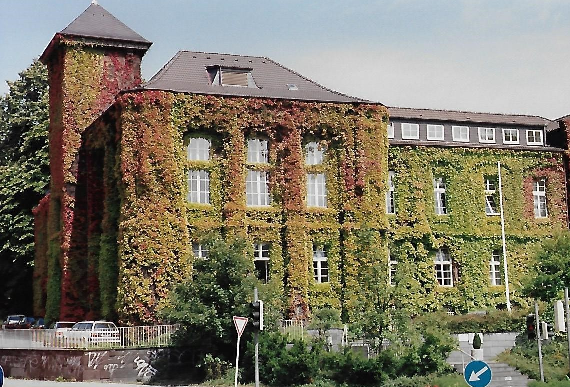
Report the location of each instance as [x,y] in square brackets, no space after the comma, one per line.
[24,180]
[220,287]
[551,271]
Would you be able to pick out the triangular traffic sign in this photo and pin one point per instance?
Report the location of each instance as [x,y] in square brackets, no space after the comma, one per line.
[240,323]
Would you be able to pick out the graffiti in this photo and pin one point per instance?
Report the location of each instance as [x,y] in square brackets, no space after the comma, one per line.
[145,370]
[95,358]
[112,368]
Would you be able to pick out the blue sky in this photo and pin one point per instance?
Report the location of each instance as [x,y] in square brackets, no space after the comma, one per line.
[481,55]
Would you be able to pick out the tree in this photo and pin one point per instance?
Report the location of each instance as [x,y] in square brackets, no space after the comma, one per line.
[551,271]
[24,180]
[220,287]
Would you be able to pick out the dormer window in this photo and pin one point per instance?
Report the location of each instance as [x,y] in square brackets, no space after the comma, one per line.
[231,76]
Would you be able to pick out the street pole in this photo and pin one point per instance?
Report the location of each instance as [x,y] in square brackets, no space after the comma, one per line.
[256,338]
[567,321]
[539,341]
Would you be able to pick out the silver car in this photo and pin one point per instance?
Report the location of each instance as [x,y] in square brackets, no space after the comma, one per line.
[93,333]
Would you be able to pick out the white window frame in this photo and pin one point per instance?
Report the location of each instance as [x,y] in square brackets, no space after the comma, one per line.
[435,132]
[261,258]
[439,196]
[314,153]
[199,250]
[257,151]
[198,186]
[320,265]
[539,198]
[257,188]
[443,267]
[390,199]
[534,132]
[495,276]
[486,135]
[490,192]
[316,190]
[390,129]
[410,131]
[509,132]
[392,267]
[460,133]
[198,149]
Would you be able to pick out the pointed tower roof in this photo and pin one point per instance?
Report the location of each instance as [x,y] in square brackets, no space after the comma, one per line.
[99,27]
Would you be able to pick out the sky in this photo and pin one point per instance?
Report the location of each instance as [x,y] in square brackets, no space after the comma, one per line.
[498,56]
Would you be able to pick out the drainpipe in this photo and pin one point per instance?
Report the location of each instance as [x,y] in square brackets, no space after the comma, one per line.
[505,266]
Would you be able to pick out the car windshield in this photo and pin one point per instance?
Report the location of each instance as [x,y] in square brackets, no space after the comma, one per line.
[13,318]
[104,326]
[64,324]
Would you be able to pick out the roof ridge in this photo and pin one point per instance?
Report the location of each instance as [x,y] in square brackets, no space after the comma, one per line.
[468,111]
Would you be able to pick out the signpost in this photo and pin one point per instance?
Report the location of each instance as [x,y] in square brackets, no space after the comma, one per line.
[240,323]
[477,374]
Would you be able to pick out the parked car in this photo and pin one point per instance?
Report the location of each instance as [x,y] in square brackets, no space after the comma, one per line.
[16,321]
[39,323]
[60,327]
[94,333]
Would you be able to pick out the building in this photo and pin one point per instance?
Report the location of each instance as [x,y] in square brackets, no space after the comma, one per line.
[322,187]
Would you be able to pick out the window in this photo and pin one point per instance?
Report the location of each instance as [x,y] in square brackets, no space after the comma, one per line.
[198,149]
[257,151]
[392,265]
[487,135]
[410,131]
[534,137]
[390,204]
[199,250]
[261,261]
[314,153]
[495,268]
[316,190]
[435,132]
[227,76]
[198,186]
[439,196]
[490,195]
[391,130]
[539,197]
[320,265]
[257,190]
[460,133]
[443,268]
[510,136]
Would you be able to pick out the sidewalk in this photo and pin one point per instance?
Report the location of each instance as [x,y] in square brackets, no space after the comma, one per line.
[9,382]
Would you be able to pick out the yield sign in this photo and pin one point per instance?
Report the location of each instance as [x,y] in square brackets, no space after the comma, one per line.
[240,323]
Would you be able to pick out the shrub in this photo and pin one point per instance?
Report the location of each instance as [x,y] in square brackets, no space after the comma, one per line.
[477,341]
[491,322]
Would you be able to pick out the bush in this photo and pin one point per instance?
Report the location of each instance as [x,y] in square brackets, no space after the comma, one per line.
[477,341]
[554,383]
[494,321]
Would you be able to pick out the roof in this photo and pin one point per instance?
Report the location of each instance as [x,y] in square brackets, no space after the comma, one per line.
[461,116]
[187,72]
[97,22]
[98,27]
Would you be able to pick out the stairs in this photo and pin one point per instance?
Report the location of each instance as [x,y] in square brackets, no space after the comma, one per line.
[503,375]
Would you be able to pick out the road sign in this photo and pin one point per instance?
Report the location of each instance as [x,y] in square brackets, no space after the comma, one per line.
[1,376]
[239,322]
[477,374]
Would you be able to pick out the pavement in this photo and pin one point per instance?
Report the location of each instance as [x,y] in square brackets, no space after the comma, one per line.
[9,382]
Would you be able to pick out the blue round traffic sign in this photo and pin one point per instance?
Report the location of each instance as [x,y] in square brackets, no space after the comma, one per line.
[1,376]
[477,374]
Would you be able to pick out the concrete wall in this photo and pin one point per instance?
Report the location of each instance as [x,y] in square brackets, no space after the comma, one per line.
[80,365]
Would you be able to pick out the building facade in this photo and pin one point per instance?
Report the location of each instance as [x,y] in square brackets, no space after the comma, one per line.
[331,197]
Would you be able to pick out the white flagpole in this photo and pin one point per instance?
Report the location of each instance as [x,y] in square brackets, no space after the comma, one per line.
[505,267]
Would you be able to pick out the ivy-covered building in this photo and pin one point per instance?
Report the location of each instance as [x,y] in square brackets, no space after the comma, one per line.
[238,145]
[325,191]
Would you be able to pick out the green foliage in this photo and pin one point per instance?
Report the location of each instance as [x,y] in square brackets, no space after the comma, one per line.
[477,341]
[553,383]
[493,321]
[24,179]
[220,287]
[551,272]
[325,319]
[524,357]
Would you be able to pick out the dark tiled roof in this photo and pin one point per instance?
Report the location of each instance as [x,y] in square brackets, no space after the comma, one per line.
[187,72]
[96,22]
[459,116]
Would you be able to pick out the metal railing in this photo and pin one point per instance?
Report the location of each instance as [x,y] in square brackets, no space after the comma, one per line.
[155,336]
[294,329]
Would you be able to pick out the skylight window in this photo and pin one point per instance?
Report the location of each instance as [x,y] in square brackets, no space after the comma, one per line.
[292,86]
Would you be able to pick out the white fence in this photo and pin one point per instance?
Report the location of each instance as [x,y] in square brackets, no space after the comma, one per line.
[155,336]
[294,329]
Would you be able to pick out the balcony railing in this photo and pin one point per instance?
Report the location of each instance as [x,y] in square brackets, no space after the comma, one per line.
[156,336]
